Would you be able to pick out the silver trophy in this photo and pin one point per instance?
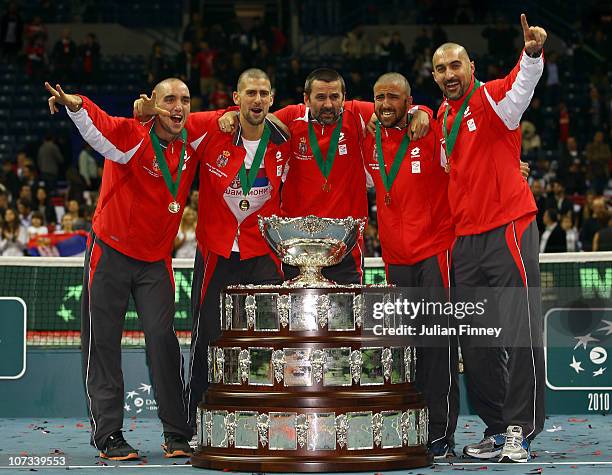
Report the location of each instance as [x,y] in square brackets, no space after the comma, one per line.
[311,243]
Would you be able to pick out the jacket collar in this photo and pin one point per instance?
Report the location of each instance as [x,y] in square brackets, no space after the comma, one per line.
[277,135]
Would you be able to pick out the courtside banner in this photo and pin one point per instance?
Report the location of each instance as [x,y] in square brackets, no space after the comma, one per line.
[13,318]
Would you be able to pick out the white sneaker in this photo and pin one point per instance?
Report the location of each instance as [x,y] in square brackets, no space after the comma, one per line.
[516,448]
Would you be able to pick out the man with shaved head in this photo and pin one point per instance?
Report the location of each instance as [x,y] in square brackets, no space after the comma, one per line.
[416,233]
[494,214]
[148,173]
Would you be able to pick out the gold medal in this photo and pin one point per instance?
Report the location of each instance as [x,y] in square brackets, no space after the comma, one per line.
[174,207]
[326,187]
[244,205]
[387,199]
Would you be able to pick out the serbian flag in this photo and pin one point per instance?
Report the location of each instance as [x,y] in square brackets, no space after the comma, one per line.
[62,245]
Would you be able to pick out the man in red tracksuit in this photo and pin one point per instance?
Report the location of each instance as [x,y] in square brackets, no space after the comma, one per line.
[416,233]
[240,178]
[325,175]
[497,240]
[148,173]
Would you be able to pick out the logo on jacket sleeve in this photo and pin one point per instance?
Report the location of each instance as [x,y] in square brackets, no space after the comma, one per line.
[223,158]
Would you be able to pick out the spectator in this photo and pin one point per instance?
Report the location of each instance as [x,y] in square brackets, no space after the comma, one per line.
[89,55]
[157,67]
[24,212]
[397,53]
[552,79]
[36,58]
[49,160]
[37,228]
[564,122]
[64,56]
[193,200]
[220,98]
[74,210]
[205,60]
[185,68]
[602,241]
[36,30]
[540,199]
[553,238]
[534,114]
[43,205]
[28,178]
[354,46]
[192,32]
[14,237]
[558,199]
[185,244]
[76,185]
[4,204]
[9,178]
[11,32]
[571,234]
[88,168]
[598,158]
[421,42]
[532,143]
[66,226]
[596,219]
[575,178]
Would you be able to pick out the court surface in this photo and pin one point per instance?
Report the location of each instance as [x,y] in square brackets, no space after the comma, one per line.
[578,445]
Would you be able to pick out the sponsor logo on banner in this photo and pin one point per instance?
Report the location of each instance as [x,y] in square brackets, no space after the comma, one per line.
[140,399]
[578,349]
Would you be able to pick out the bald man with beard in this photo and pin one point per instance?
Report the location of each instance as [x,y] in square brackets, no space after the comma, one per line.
[494,215]
[148,173]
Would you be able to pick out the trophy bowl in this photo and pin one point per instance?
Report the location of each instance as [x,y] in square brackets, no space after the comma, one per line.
[311,243]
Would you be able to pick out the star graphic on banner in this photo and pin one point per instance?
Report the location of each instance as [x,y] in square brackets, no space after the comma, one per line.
[599,372]
[584,340]
[576,365]
[606,328]
[131,394]
[147,387]
[127,407]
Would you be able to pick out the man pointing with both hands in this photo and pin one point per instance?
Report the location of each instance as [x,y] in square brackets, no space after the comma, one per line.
[494,214]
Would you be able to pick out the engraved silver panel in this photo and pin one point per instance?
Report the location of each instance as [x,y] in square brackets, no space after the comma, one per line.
[266,312]
[377,428]
[219,429]
[282,431]
[360,430]
[200,427]
[219,361]
[209,361]
[337,369]
[239,314]
[409,364]
[298,370]
[230,424]
[208,427]
[246,430]
[278,363]
[322,431]
[317,362]
[423,428]
[303,314]
[391,430]
[263,424]
[260,370]
[231,365]
[356,362]
[250,305]
[226,321]
[371,367]
[323,306]
[341,316]
[342,430]
[409,427]
[359,309]
[387,362]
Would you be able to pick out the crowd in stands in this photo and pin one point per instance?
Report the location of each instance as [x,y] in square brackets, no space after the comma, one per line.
[566,131]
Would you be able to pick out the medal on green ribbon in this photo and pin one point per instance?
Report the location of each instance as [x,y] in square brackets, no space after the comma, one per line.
[389,178]
[247,179]
[325,165]
[451,138]
[173,186]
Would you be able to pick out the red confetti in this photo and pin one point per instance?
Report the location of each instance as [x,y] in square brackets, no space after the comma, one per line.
[597,452]
[79,425]
[574,419]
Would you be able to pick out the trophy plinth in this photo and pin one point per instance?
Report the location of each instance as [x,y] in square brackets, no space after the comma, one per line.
[311,243]
[298,381]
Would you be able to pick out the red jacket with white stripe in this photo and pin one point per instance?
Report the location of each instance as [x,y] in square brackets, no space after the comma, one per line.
[132,214]
[486,188]
[303,192]
[217,225]
[417,223]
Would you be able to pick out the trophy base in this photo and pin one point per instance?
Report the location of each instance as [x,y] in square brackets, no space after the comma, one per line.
[406,459]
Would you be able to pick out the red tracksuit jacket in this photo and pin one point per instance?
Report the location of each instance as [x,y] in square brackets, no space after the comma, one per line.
[303,192]
[217,226]
[417,222]
[486,189]
[132,213]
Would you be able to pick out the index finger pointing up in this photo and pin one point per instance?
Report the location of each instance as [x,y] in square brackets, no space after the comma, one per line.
[524,23]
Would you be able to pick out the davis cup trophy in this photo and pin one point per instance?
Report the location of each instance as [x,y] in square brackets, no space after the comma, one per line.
[298,381]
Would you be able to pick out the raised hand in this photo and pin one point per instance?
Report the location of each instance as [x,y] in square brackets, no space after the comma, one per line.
[534,36]
[227,122]
[58,96]
[146,107]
